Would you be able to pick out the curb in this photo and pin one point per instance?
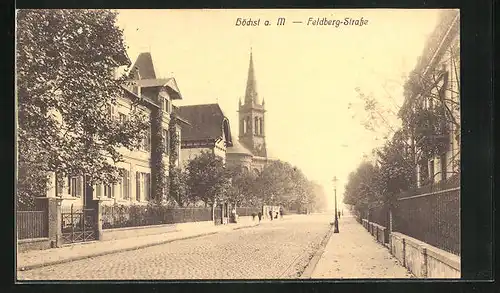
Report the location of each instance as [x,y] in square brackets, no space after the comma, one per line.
[61,261]
[308,271]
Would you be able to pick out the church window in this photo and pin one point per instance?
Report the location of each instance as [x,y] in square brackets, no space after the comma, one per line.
[261,127]
[249,124]
[256,128]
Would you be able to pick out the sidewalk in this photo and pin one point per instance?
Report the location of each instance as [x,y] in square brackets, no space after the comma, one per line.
[38,258]
[354,253]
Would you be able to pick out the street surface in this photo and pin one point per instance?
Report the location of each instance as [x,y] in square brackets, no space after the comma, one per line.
[273,250]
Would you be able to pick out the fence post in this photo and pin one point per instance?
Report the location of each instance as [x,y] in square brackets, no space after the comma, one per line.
[54,221]
[404,252]
[424,264]
[98,219]
[390,220]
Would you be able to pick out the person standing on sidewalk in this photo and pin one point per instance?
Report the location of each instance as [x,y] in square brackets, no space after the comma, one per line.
[281,212]
[271,214]
[260,216]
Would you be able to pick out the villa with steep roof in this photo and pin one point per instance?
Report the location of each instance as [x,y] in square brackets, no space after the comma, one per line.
[135,187]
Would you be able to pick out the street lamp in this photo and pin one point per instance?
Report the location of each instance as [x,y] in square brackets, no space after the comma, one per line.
[336,222]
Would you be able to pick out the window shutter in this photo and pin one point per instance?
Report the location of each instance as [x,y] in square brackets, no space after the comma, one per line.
[138,186]
[126,185]
[147,186]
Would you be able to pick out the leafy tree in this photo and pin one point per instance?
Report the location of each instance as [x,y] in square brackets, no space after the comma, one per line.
[178,187]
[66,83]
[280,183]
[363,189]
[242,189]
[207,178]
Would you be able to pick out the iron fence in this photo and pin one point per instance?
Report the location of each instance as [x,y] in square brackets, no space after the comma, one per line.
[431,217]
[32,224]
[247,211]
[135,215]
[379,215]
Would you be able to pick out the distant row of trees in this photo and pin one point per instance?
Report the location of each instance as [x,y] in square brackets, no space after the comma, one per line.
[206,179]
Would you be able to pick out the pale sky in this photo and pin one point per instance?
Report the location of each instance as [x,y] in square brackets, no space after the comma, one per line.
[306,74]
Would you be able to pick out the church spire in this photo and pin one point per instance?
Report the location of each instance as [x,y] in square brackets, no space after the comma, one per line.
[251,96]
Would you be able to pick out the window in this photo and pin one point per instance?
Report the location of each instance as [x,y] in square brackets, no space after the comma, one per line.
[75,186]
[166,140]
[123,117]
[143,186]
[444,165]
[261,127]
[431,170]
[244,126]
[256,128]
[108,191]
[249,124]
[166,105]
[146,141]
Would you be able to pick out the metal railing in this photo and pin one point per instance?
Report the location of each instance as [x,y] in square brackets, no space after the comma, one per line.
[135,216]
[433,218]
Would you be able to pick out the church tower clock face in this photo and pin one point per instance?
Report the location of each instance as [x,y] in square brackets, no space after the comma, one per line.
[251,116]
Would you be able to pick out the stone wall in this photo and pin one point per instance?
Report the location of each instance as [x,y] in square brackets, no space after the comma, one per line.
[420,258]
[423,260]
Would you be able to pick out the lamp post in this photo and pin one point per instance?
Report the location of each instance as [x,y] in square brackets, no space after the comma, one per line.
[336,222]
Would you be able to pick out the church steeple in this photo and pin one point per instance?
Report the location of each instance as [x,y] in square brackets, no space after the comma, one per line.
[251,96]
[251,117]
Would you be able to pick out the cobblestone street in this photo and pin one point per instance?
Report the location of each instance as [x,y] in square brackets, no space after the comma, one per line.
[278,249]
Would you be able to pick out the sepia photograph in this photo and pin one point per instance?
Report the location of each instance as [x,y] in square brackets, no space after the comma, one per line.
[237,144]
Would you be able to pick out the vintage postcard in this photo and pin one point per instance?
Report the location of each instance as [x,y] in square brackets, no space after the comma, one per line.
[237,144]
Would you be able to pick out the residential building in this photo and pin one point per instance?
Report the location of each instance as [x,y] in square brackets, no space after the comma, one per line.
[439,69]
[135,187]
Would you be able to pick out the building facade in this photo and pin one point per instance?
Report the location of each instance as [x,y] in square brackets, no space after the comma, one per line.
[250,151]
[156,96]
[439,68]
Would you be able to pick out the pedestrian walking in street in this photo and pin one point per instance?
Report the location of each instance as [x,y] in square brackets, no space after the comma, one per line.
[281,212]
[271,214]
[276,215]
[339,214]
[260,216]
[253,216]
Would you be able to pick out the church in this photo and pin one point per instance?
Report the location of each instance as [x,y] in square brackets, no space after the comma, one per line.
[250,151]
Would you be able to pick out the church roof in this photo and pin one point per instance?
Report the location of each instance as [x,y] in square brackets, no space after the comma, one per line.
[238,148]
[251,95]
[206,122]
